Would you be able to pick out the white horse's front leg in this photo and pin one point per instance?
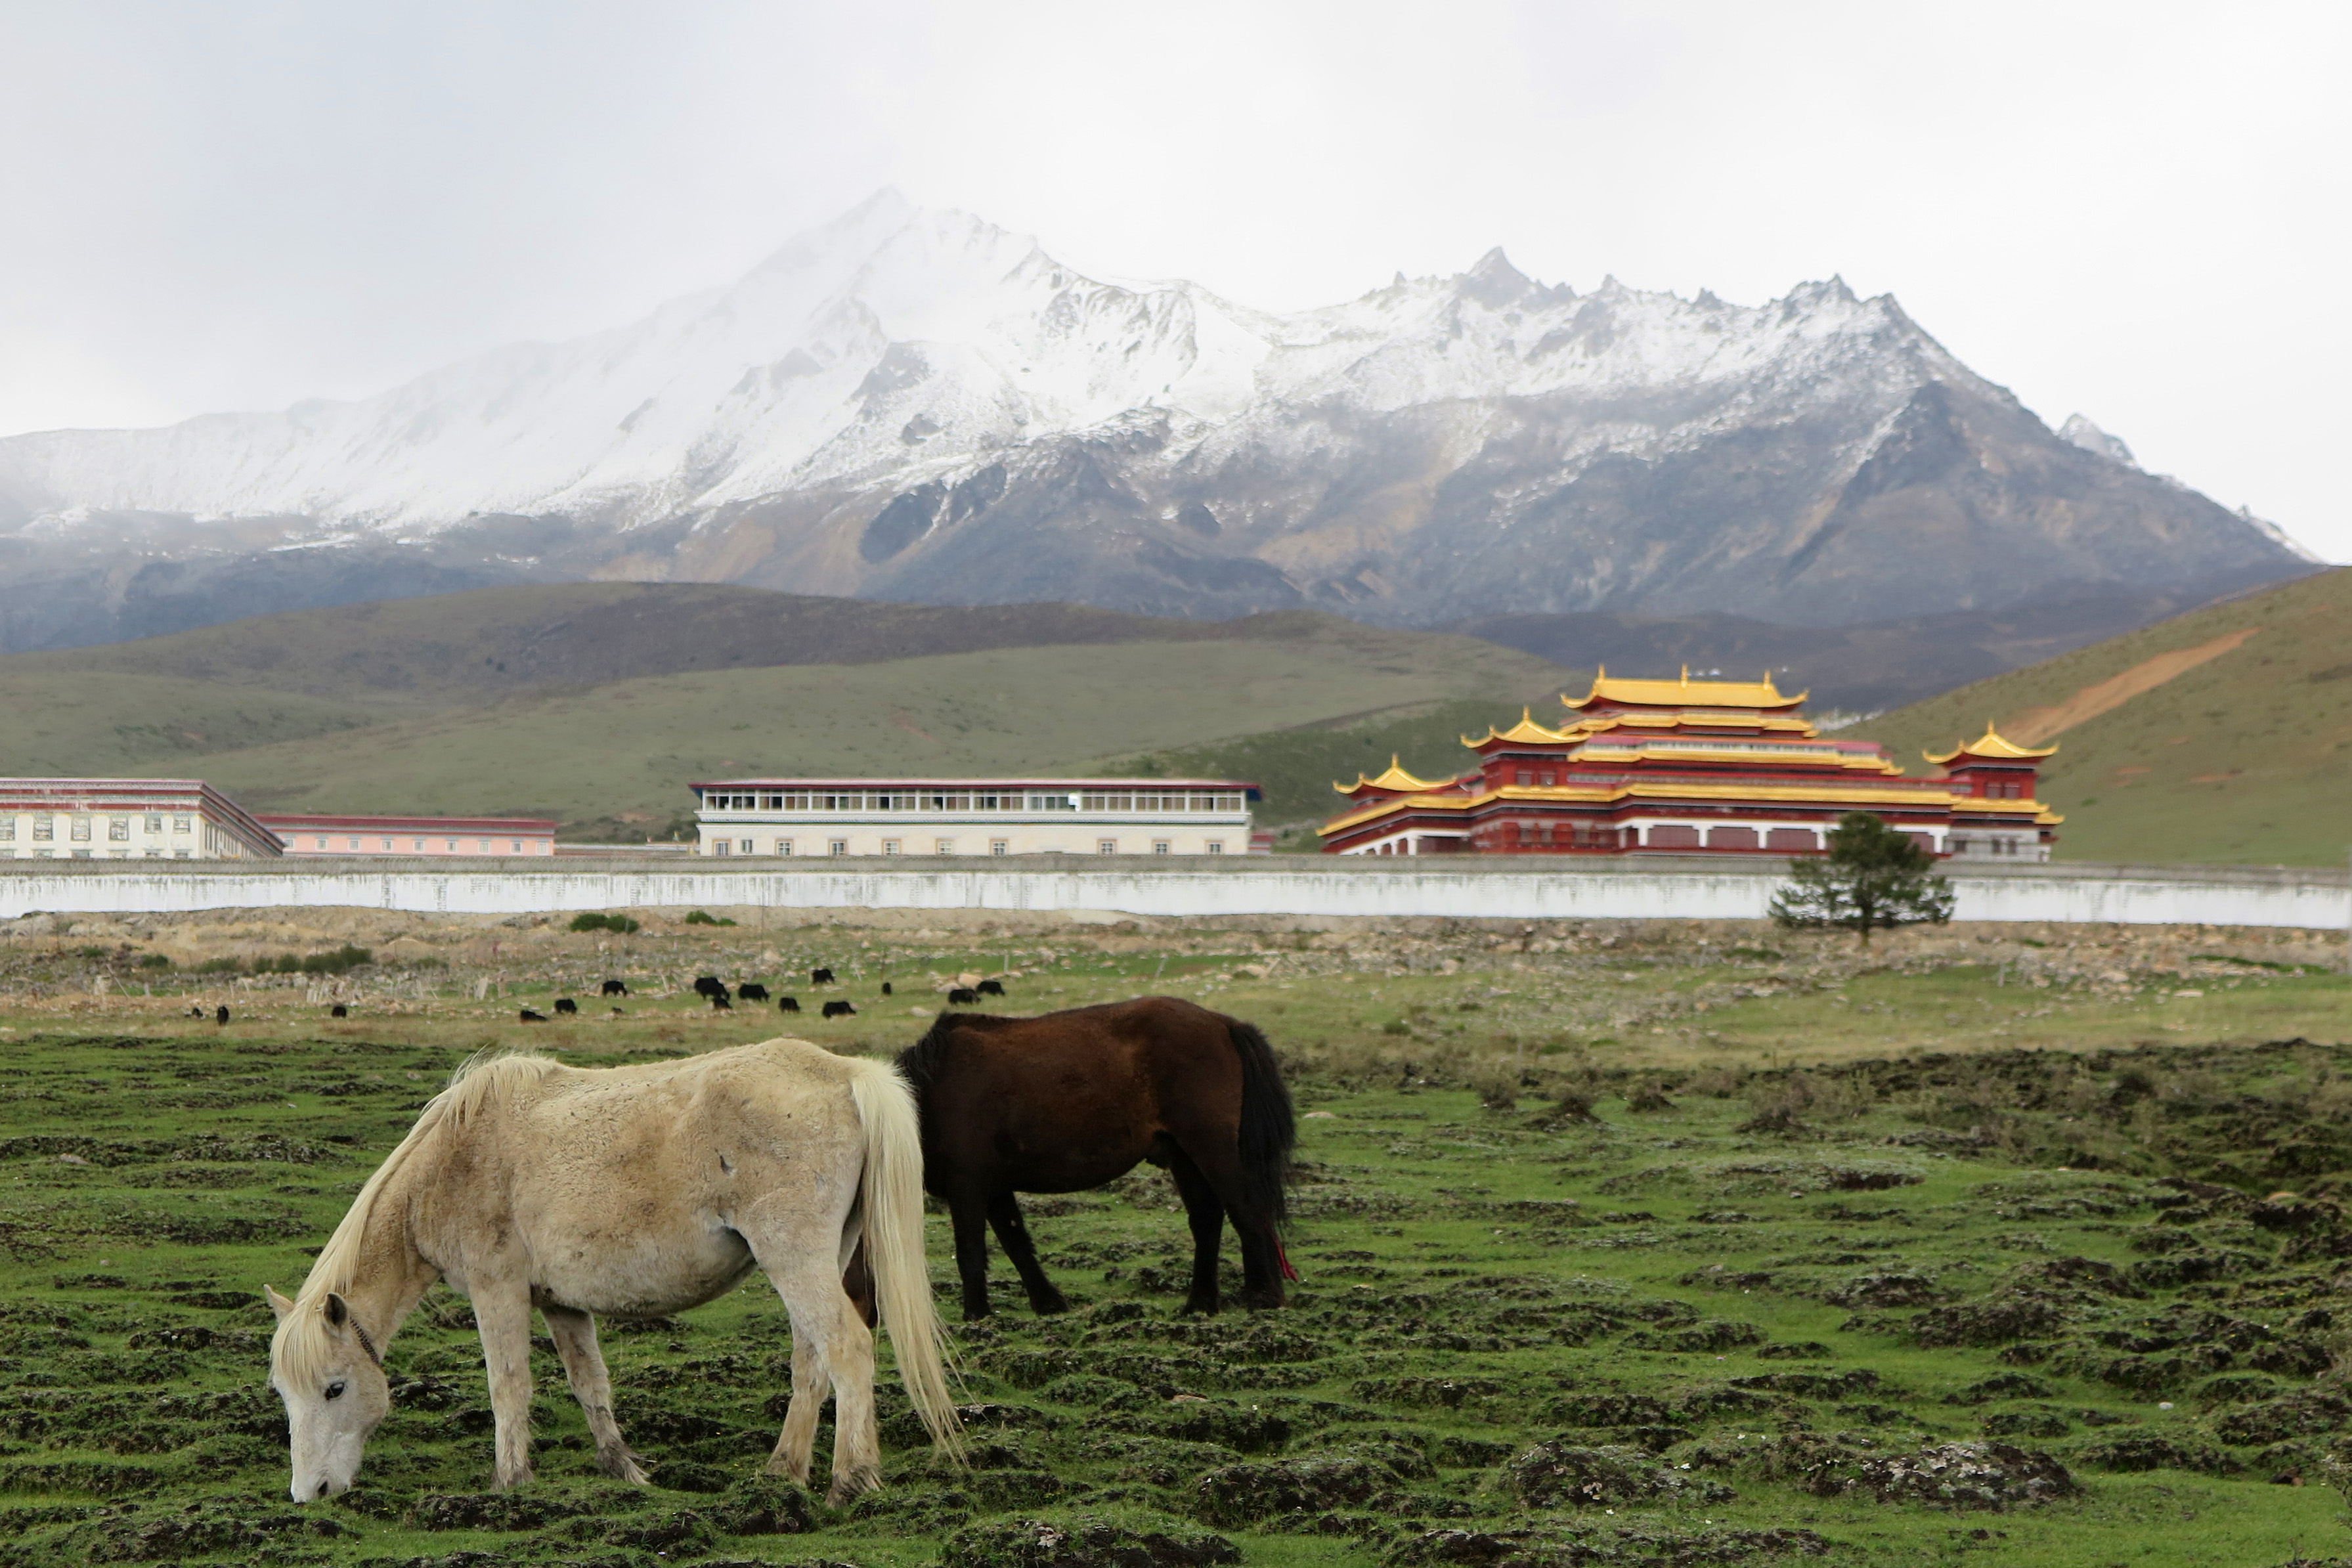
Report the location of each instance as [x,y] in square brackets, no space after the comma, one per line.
[574,1333]
[504,1318]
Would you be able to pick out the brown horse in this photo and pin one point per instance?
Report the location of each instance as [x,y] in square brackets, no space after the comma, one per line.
[1071,1100]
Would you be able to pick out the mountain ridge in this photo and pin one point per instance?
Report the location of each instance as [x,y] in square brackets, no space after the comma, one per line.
[918,405]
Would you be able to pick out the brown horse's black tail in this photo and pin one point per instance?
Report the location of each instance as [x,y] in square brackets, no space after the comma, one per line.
[1269,1128]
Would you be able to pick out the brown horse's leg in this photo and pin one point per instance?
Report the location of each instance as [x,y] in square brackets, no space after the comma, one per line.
[1207,1217]
[1220,1165]
[969,1212]
[1013,1234]
[857,1281]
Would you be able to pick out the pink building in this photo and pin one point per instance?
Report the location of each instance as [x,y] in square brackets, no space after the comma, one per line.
[472,836]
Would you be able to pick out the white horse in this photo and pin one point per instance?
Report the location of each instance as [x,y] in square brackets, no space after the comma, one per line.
[630,1192]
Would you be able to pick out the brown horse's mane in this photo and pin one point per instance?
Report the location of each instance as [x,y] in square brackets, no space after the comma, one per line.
[922,1061]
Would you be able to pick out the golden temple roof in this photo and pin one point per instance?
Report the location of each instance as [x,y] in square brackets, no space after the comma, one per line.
[1527,728]
[1686,692]
[1394,778]
[1990,744]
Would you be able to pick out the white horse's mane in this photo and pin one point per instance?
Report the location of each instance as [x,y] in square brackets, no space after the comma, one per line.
[300,1348]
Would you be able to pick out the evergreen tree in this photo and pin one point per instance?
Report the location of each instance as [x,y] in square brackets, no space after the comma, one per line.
[1873,879]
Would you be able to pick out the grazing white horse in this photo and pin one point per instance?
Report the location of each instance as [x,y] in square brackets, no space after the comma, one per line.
[630,1192]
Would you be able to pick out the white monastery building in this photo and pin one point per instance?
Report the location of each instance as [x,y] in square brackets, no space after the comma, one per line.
[126,819]
[445,835]
[975,817]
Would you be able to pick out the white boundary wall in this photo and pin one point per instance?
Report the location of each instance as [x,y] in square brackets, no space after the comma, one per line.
[1485,887]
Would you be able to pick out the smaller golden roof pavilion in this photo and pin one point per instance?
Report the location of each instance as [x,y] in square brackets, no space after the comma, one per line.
[1686,766]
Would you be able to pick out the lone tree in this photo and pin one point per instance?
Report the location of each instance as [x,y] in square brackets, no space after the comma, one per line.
[1873,879]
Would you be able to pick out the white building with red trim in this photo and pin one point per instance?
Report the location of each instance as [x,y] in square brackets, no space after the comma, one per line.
[126,819]
[800,817]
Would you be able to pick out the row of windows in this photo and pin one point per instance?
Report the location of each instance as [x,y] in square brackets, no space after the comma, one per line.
[151,854]
[1990,845]
[416,846]
[905,800]
[939,846]
[78,829]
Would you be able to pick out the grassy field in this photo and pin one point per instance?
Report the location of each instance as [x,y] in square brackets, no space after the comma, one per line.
[98,724]
[1619,1244]
[1298,766]
[2228,737]
[431,706]
[486,643]
[628,749]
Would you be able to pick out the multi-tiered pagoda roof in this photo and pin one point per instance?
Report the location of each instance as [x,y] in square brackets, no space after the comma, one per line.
[1683,765]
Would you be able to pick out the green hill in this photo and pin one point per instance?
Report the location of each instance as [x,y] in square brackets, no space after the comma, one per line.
[2223,735]
[1298,766]
[437,705]
[96,724]
[486,643]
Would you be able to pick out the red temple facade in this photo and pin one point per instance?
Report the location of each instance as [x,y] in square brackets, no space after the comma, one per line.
[1697,767]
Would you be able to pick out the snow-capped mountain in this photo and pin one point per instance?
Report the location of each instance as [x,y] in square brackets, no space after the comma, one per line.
[914,404]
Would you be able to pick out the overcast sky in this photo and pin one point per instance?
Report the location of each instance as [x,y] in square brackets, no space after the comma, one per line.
[2137,211]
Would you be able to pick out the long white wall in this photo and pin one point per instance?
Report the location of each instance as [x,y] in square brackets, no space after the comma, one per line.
[1482,888]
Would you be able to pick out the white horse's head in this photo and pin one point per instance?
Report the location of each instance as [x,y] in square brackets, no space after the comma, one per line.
[325,1367]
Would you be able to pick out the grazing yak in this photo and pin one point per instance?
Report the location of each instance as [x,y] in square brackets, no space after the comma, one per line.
[751,991]
[531,1017]
[220,1015]
[788,1003]
[709,985]
[616,988]
[566,1004]
[991,988]
[885,989]
[962,996]
[722,1003]
[839,1010]
[339,1011]
[819,976]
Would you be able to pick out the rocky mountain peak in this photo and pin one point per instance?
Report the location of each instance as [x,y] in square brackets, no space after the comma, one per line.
[913,403]
[2079,431]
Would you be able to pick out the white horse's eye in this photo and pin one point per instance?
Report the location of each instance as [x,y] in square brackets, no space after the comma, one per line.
[334,1391]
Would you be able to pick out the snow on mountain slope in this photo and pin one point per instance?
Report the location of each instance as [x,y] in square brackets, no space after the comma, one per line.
[916,404]
[780,381]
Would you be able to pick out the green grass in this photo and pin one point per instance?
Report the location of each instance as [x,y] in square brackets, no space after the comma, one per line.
[1299,766]
[627,749]
[2240,760]
[384,716]
[100,724]
[1481,1273]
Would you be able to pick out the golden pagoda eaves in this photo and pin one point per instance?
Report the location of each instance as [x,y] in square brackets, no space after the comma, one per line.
[1395,778]
[1526,730]
[1686,692]
[1992,744]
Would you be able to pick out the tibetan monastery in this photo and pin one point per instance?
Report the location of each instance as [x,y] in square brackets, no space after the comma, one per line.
[1706,766]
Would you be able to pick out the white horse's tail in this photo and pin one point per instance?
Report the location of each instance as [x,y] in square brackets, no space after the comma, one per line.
[894,1244]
